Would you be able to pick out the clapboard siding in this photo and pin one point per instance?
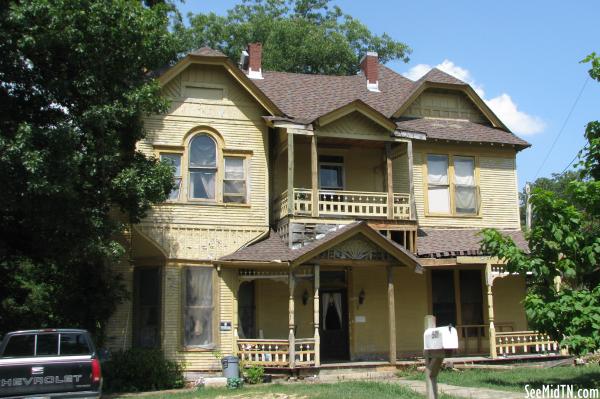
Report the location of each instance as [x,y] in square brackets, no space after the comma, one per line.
[498,185]
[192,233]
[353,124]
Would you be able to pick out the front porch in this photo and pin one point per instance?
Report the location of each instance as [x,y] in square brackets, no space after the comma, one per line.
[354,295]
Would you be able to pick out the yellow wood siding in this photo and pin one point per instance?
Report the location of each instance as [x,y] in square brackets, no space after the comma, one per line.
[498,187]
[355,125]
[362,167]
[203,97]
[440,104]
[509,293]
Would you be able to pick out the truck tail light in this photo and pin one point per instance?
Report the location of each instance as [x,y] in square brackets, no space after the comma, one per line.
[96,372]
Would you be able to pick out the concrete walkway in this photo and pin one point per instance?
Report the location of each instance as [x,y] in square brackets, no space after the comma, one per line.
[462,392]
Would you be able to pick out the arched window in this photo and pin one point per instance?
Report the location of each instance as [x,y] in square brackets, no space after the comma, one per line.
[202,167]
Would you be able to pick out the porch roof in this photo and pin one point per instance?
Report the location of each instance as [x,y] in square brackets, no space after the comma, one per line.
[274,250]
[449,243]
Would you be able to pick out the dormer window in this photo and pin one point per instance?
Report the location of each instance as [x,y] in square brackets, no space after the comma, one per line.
[202,167]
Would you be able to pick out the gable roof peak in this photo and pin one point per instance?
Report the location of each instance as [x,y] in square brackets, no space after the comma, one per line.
[206,51]
[436,75]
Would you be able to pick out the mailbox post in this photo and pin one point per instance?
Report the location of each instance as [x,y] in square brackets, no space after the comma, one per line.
[438,343]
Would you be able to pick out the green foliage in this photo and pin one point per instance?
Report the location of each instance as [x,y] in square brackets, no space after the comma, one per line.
[235,383]
[558,183]
[564,259]
[254,374]
[74,85]
[141,370]
[303,36]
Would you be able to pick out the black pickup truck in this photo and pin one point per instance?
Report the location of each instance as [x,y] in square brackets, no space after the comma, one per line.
[50,363]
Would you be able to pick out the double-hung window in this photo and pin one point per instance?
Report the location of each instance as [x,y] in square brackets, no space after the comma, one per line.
[465,187]
[438,184]
[452,185]
[199,309]
[175,161]
[234,180]
[202,168]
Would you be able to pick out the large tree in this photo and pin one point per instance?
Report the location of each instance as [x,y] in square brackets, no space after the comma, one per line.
[563,299]
[305,36]
[74,87]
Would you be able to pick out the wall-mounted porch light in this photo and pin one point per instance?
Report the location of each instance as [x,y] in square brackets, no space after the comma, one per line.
[361,297]
[305,297]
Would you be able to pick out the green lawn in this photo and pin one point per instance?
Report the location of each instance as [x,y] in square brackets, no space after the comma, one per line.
[346,390]
[516,379]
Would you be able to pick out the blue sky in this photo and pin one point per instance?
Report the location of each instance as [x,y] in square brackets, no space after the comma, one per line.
[523,56]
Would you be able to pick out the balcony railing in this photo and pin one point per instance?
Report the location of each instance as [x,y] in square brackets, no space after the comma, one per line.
[342,203]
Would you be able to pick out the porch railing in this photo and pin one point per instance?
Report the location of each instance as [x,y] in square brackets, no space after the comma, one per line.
[474,338]
[275,352]
[342,203]
[524,342]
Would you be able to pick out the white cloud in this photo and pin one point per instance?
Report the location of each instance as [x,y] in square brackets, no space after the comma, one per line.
[516,120]
[502,105]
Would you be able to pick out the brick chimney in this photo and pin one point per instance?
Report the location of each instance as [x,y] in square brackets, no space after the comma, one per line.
[255,60]
[369,64]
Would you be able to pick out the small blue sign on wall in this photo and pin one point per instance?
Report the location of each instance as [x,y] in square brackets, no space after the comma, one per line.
[225,326]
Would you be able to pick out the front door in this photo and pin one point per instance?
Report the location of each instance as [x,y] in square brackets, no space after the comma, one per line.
[333,324]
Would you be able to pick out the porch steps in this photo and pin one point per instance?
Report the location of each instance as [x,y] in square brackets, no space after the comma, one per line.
[362,372]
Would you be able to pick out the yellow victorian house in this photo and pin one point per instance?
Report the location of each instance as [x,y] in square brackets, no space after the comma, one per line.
[317,219]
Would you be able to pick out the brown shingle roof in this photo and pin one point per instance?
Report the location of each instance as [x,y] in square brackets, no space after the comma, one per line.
[207,52]
[268,250]
[438,76]
[273,249]
[460,130]
[445,243]
[307,97]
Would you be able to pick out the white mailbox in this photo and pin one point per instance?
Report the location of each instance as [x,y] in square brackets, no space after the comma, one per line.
[440,338]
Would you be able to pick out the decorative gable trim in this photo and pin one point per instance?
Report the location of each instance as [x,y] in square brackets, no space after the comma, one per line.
[235,72]
[466,89]
[360,107]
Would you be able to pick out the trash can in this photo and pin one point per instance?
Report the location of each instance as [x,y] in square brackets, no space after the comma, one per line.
[231,367]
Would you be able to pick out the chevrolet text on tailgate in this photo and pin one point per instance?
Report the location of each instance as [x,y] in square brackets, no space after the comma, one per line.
[49,363]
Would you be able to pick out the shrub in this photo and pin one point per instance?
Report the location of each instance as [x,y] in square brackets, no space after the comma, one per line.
[235,383]
[254,374]
[141,370]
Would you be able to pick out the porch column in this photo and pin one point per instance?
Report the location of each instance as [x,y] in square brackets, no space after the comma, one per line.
[391,314]
[235,320]
[389,180]
[291,321]
[409,152]
[316,309]
[290,173]
[490,305]
[314,169]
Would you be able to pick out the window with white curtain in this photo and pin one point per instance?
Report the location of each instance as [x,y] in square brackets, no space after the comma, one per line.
[175,161]
[202,167]
[438,184]
[199,309]
[465,187]
[234,180]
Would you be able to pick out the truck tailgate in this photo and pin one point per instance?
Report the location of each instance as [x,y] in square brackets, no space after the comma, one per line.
[45,375]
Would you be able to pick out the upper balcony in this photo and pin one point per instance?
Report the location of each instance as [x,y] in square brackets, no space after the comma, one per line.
[341,178]
[336,203]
